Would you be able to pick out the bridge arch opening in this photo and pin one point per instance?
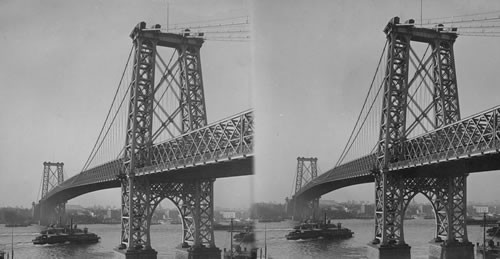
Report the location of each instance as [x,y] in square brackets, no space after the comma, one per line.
[168,216]
[421,212]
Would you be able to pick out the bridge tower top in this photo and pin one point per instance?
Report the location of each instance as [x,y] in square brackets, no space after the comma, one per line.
[436,71]
[53,175]
[307,170]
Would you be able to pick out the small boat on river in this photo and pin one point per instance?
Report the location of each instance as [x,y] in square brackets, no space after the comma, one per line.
[246,236]
[488,248]
[319,230]
[56,235]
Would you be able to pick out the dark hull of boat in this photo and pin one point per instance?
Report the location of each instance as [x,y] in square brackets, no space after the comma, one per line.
[74,239]
[319,233]
[244,237]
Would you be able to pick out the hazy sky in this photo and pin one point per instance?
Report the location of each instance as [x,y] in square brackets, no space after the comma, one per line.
[314,61]
[61,62]
[306,72]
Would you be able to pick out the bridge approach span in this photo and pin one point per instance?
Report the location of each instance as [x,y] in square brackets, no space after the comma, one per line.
[470,145]
[221,149]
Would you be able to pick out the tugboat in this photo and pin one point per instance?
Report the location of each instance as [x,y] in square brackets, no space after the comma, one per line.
[319,230]
[494,231]
[236,251]
[56,235]
[489,248]
[233,225]
[246,236]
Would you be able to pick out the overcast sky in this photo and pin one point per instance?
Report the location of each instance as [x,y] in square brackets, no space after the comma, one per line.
[306,72]
[314,61]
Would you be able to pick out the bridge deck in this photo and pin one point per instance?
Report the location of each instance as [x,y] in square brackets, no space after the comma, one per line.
[221,149]
[469,145]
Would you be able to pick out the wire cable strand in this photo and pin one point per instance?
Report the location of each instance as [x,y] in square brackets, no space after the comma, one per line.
[343,154]
[109,111]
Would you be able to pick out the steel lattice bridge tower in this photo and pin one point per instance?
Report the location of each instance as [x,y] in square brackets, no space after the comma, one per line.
[182,169]
[435,163]
[307,171]
[53,175]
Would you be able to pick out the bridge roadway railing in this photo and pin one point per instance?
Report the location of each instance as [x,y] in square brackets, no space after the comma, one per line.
[358,168]
[476,135]
[230,138]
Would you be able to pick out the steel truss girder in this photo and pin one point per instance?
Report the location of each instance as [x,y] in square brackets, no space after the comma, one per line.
[394,193]
[228,139]
[477,134]
[194,200]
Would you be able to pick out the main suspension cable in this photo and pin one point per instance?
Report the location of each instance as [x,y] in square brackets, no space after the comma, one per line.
[91,156]
[344,151]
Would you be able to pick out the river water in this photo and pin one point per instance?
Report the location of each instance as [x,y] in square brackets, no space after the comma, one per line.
[166,237]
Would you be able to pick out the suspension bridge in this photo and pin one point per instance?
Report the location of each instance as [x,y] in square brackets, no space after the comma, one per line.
[156,143]
[419,141]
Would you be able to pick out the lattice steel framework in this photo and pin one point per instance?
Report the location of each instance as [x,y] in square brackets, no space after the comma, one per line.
[478,134]
[135,191]
[394,103]
[53,175]
[307,171]
[391,190]
[137,194]
[194,200]
[192,101]
[448,198]
[446,105]
[227,139]
[388,196]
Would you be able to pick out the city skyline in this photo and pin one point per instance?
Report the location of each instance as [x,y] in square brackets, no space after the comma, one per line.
[68,102]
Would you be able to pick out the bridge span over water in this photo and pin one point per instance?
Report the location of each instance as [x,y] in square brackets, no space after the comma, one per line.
[422,145]
[471,145]
[161,148]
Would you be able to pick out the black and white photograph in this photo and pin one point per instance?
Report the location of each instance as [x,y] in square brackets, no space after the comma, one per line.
[244,129]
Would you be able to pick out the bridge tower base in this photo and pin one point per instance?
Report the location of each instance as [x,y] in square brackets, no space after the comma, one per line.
[141,254]
[198,253]
[389,252]
[456,250]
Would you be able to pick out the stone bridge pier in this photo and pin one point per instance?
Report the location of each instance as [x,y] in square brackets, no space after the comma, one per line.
[302,210]
[48,213]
